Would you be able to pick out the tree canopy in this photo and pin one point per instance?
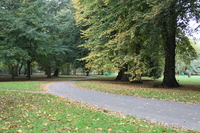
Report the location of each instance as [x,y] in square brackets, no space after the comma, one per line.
[37,30]
[138,33]
[134,37]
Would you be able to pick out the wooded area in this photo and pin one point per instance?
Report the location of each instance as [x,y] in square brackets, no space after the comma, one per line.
[38,31]
[132,37]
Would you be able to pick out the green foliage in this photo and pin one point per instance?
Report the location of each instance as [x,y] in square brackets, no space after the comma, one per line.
[196,46]
[38,30]
[23,30]
[3,68]
[195,65]
[185,51]
[129,32]
[110,39]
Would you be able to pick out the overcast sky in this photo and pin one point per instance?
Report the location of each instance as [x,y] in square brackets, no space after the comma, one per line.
[194,25]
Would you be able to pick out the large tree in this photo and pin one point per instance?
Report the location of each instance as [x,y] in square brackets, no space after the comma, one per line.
[114,34]
[128,32]
[168,18]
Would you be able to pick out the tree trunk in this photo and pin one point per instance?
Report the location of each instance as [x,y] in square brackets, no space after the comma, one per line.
[29,69]
[102,72]
[169,34]
[16,69]
[20,68]
[48,71]
[87,71]
[13,73]
[121,75]
[68,69]
[56,73]
[169,71]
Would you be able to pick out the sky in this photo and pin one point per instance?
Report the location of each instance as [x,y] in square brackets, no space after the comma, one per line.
[194,25]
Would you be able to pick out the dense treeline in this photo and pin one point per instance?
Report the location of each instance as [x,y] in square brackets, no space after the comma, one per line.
[132,37]
[38,31]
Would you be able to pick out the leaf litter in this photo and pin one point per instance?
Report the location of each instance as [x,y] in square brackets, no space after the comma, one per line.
[33,112]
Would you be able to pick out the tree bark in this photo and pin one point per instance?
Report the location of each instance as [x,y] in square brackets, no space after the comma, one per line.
[102,72]
[20,68]
[13,73]
[16,69]
[121,75]
[87,71]
[48,71]
[29,69]
[56,73]
[169,34]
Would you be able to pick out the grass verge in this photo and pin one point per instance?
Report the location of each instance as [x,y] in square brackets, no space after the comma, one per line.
[38,84]
[185,80]
[23,112]
[189,92]
[25,86]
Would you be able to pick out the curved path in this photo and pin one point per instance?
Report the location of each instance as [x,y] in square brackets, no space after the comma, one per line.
[172,113]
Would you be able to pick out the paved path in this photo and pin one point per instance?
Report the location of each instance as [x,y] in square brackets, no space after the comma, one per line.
[173,113]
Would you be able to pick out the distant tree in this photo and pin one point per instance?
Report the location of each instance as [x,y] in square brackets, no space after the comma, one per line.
[37,30]
[24,29]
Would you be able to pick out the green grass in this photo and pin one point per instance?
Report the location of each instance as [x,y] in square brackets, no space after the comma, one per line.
[23,112]
[185,80]
[189,92]
[34,112]
[36,85]
[25,86]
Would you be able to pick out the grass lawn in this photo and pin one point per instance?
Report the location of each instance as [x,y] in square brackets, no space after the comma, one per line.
[185,80]
[25,86]
[189,92]
[23,112]
[37,82]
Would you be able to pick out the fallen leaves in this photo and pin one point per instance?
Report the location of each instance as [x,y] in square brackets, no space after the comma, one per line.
[30,112]
[45,123]
[188,93]
[19,131]
[4,128]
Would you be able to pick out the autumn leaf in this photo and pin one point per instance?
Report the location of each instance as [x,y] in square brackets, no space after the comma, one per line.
[19,131]
[45,123]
